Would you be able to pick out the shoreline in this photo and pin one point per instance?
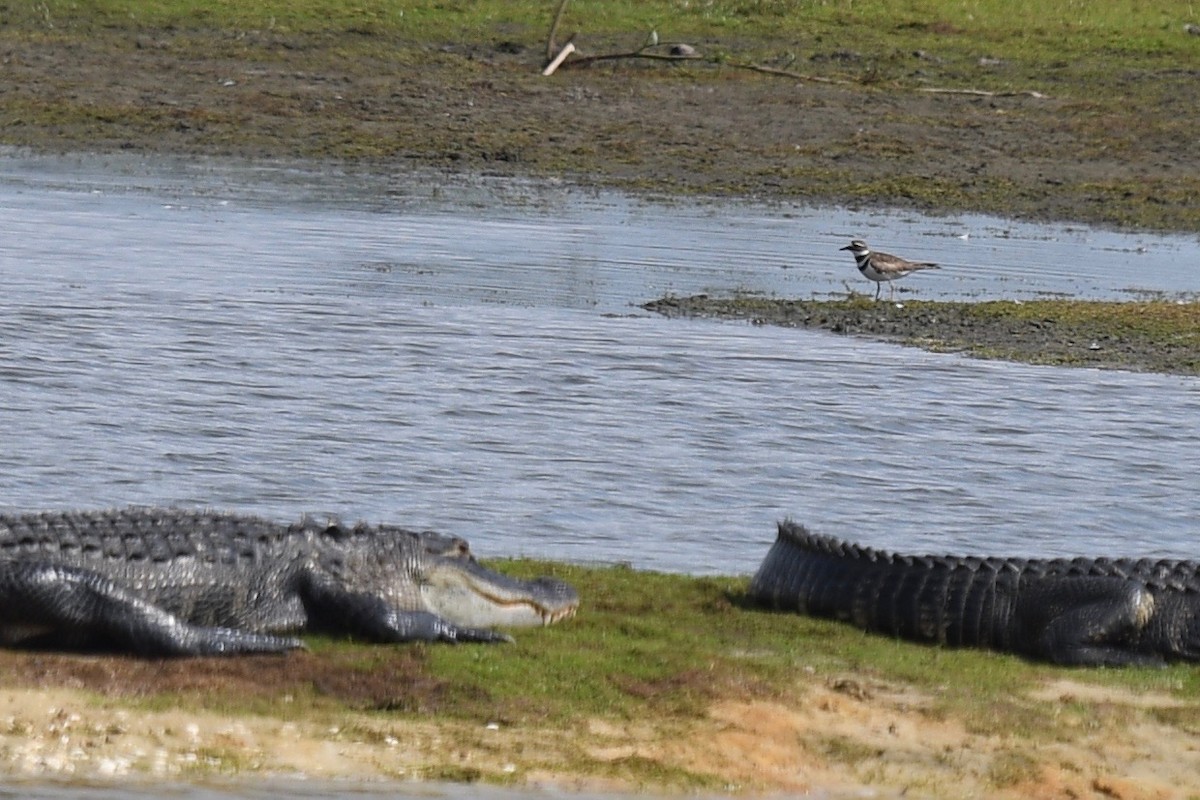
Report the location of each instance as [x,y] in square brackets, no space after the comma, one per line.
[1161,336]
[384,101]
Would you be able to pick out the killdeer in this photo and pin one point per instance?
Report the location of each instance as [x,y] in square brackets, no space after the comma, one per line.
[881,267]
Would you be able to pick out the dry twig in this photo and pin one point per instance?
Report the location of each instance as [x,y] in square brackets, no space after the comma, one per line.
[640,53]
[558,15]
[983,92]
[785,73]
[557,58]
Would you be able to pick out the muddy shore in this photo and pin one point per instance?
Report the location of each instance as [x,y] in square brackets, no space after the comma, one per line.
[1161,336]
[1113,149]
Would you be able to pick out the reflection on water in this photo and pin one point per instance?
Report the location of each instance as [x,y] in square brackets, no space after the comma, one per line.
[445,240]
[471,360]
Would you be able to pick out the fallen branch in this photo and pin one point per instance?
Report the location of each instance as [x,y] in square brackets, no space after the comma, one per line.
[642,53]
[568,48]
[685,52]
[558,15]
[983,92]
[785,73]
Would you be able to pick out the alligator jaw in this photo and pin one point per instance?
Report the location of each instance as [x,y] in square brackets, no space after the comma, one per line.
[466,593]
[515,612]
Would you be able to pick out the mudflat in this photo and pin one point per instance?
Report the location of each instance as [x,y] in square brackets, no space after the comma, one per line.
[925,120]
[1140,336]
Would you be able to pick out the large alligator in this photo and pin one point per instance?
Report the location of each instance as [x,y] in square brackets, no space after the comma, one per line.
[180,582]
[1082,611]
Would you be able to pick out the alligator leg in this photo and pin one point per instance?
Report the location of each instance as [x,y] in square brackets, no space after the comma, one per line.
[332,608]
[75,605]
[404,626]
[1086,621]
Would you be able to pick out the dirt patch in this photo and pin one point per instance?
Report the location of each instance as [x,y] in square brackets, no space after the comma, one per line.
[1066,691]
[396,680]
[843,742]
[847,735]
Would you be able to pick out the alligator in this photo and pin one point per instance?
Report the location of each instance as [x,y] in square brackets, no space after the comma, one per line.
[177,582]
[1081,611]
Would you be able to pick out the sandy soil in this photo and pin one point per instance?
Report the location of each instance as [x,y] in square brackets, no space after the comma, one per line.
[848,736]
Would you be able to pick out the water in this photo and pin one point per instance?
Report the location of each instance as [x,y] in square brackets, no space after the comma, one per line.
[434,239]
[468,356]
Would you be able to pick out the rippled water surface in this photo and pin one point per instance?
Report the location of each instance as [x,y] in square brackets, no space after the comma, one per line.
[468,355]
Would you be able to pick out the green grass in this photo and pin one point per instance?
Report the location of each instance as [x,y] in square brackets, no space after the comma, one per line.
[1056,31]
[668,645]
[629,648]
[645,661]
[664,646]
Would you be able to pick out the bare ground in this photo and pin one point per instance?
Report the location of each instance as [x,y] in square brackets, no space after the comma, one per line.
[1116,149]
[78,717]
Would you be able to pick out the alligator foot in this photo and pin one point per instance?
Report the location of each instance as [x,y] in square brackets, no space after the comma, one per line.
[334,609]
[407,626]
[1087,621]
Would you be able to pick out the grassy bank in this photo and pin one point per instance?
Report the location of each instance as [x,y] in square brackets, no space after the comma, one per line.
[1090,115]
[662,681]
[1150,336]
[1051,31]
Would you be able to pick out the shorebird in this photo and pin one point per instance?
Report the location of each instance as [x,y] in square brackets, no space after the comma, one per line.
[880,267]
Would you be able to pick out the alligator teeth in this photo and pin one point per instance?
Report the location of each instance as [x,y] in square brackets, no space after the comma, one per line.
[557,616]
